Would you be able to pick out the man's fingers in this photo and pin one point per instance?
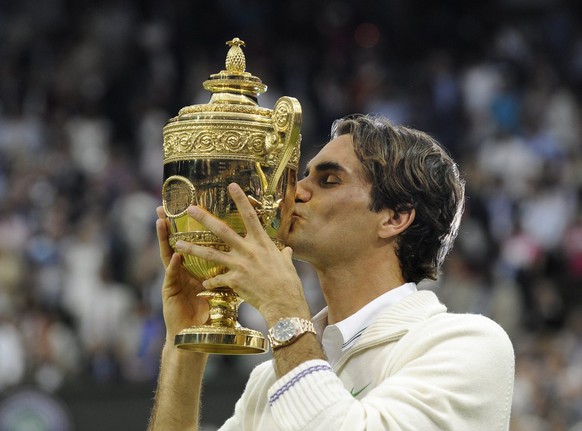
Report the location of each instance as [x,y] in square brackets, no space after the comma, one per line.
[206,253]
[160,212]
[217,281]
[165,249]
[288,252]
[245,209]
[172,273]
[218,227]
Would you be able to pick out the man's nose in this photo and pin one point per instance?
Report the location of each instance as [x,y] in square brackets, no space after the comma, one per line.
[302,194]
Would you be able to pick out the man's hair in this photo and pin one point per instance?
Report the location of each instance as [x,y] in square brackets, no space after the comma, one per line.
[408,170]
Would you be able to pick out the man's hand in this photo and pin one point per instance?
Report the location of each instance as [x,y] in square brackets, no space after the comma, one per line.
[177,402]
[258,271]
[181,306]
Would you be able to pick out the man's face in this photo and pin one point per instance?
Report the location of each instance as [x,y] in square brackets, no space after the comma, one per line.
[332,221]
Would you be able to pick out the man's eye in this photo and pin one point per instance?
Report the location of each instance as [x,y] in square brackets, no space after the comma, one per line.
[329,179]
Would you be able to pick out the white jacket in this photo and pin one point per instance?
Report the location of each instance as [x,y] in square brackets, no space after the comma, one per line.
[415,368]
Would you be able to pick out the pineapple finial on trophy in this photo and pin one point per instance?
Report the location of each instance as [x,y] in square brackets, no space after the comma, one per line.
[234,80]
[235,58]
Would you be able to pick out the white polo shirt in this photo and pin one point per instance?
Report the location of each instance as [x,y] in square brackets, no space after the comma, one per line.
[340,337]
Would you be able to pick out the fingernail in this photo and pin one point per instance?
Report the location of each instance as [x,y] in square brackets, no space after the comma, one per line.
[192,210]
[180,245]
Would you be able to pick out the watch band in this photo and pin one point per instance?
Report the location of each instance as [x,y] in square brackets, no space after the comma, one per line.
[287,330]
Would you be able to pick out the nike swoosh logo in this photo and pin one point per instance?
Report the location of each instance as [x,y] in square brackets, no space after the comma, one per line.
[355,394]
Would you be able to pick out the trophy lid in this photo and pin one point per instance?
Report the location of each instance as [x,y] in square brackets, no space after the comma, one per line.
[234,79]
[232,125]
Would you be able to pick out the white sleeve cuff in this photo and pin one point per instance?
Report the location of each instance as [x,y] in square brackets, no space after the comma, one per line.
[302,394]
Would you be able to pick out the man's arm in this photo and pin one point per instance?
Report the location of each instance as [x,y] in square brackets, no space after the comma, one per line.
[177,401]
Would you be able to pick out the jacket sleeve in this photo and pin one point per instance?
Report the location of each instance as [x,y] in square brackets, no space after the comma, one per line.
[448,374]
[251,406]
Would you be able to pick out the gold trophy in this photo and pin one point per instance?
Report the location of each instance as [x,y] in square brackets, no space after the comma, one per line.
[206,147]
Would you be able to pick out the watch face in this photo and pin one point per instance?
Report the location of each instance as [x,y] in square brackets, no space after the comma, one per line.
[284,330]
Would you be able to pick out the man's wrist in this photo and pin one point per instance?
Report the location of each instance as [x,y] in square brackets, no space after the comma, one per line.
[305,348]
[287,330]
[177,355]
[273,313]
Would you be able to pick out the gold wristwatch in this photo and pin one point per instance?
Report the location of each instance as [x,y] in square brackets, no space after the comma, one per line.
[287,330]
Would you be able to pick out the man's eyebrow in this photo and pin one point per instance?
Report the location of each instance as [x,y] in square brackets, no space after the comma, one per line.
[325,166]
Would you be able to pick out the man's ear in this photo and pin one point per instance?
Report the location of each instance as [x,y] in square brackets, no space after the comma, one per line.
[393,223]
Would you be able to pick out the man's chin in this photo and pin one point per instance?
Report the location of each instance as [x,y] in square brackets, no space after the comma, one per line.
[295,243]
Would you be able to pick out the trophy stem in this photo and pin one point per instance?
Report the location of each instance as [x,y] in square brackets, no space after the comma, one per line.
[223,303]
[222,333]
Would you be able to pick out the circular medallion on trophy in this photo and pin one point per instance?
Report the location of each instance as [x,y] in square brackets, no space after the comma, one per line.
[178,193]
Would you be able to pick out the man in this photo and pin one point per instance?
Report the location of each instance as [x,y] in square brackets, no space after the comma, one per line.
[376,213]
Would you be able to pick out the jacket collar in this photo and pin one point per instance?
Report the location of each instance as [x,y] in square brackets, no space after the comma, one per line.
[395,322]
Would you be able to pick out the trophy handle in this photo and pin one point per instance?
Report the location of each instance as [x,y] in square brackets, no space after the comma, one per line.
[287,122]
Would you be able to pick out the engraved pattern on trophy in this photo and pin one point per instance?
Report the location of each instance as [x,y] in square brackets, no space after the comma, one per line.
[217,141]
[225,108]
[205,148]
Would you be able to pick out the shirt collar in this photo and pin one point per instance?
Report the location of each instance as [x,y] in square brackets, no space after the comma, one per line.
[340,337]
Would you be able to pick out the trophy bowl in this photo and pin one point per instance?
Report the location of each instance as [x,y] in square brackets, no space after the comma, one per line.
[205,148]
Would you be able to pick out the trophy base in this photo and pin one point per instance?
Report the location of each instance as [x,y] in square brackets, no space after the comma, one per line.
[222,340]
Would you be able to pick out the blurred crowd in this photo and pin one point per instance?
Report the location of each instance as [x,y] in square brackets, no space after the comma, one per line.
[86,87]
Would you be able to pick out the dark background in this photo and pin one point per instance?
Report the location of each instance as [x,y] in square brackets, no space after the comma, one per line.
[86,86]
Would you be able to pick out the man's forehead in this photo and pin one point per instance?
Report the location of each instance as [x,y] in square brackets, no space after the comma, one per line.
[334,151]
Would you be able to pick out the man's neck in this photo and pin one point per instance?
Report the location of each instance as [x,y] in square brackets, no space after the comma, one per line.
[348,288]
